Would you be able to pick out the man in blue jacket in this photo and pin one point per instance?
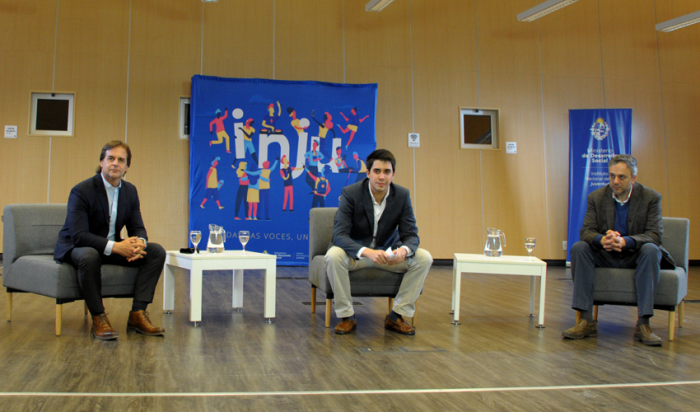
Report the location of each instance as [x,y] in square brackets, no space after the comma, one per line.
[373,216]
[98,209]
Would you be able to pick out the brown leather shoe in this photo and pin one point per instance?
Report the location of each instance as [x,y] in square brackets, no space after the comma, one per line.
[141,323]
[102,329]
[582,330]
[346,326]
[645,335]
[400,326]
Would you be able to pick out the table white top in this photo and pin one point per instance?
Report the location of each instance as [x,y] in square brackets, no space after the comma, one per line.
[226,254]
[502,260]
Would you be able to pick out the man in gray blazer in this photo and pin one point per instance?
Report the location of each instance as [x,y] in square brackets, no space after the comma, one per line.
[622,229]
[375,227]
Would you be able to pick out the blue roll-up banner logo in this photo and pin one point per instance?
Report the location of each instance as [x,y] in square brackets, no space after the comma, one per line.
[264,152]
[595,136]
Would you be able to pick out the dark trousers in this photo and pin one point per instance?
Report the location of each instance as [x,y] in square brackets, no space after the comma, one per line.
[265,201]
[646,262]
[241,200]
[318,201]
[89,261]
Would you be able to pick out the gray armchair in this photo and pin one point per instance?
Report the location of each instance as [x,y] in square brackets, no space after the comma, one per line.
[616,286]
[30,233]
[364,282]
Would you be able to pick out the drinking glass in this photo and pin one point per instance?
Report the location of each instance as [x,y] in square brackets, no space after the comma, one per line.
[244,237]
[195,237]
[530,246]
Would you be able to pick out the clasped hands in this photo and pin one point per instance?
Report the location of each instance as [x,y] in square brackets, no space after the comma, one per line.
[382,258]
[131,248]
[613,242]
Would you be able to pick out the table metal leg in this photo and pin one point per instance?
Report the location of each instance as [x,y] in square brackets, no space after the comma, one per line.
[543,287]
[270,291]
[456,285]
[237,302]
[533,287]
[195,295]
[168,288]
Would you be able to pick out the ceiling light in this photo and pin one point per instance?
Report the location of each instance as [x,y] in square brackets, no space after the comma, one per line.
[679,22]
[377,5]
[543,9]
[210,1]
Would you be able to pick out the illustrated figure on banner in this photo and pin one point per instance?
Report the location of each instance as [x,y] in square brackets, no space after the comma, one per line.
[248,131]
[242,194]
[220,129]
[286,173]
[253,197]
[296,123]
[340,162]
[323,129]
[312,157]
[269,121]
[265,186]
[353,122]
[322,187]
[361,169]
[213,184]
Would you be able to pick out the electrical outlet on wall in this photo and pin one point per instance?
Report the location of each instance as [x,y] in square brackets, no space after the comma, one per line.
[563,245]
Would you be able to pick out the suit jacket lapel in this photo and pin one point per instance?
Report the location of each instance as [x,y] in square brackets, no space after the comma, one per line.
[609,206]
[102,196]
[368,204]
[121,207]
[635,203]
[388,208]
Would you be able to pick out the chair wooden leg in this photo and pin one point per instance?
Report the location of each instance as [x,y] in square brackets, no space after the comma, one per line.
[9,307]
[681,307]
[328,312]
[671,326]
[59,319]
[313,299]
[578,316]
[391,304]
[595,313]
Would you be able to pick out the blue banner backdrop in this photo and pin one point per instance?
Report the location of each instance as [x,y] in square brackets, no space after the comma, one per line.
[256,143]
[595,136]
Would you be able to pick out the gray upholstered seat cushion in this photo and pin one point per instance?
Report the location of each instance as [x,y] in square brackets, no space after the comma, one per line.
[365,282]
[42,275]
[30,232]
[616,286]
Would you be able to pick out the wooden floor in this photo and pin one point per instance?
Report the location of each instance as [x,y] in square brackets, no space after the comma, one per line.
[496,360]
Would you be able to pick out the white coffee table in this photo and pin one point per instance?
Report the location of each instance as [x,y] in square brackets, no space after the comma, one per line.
[233,260]
[504,265]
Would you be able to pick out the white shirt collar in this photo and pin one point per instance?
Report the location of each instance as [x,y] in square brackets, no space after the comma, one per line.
[109,185]
[629,195]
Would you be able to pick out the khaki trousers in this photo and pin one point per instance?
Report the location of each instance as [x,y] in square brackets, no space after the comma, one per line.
[414,270]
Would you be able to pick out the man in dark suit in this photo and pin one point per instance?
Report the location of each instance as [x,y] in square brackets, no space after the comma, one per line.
[373,216]
[622,229]
[98,209]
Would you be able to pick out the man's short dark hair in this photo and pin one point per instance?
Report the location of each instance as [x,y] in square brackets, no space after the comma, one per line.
[111,145]
[383,155]
[629,160]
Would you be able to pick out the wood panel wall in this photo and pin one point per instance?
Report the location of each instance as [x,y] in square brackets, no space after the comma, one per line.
[129,62]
